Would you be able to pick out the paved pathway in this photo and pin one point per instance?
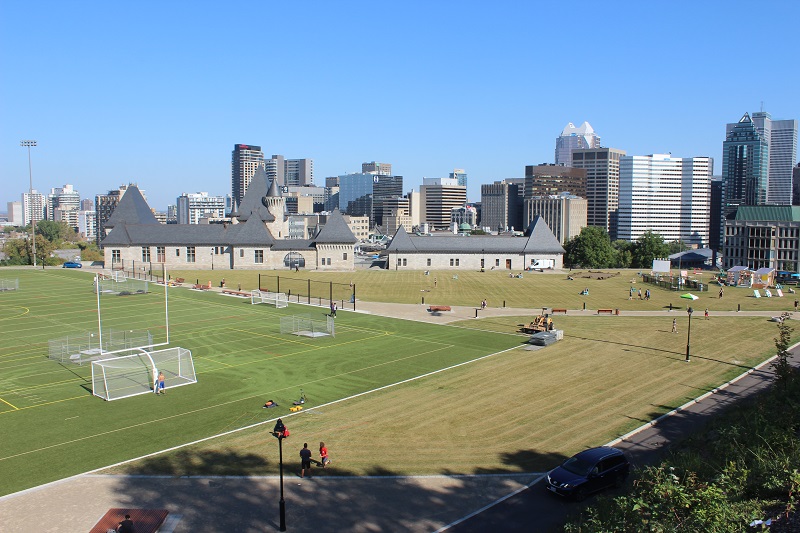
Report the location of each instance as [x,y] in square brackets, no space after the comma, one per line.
[373,504]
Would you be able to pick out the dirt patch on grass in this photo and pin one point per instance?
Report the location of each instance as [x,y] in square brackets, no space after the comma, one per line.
[595,274]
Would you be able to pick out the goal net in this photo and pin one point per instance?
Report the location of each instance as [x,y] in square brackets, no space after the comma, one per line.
[9,284]
[114,275]
[278,299]
[130,375]
[124,286]
[85,347]
[307,327]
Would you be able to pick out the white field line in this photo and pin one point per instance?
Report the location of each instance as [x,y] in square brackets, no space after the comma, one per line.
[251,426]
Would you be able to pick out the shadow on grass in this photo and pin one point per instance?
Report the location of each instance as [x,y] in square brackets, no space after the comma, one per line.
[200,487]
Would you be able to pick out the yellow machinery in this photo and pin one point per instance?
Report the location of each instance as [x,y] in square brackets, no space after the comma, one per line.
[539,323]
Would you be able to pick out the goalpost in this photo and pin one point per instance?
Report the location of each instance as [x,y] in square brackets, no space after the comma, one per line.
[307,327]
[9,284]
[278,299]
[131,375]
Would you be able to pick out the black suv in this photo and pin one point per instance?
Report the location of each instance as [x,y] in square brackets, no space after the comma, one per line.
[589,471]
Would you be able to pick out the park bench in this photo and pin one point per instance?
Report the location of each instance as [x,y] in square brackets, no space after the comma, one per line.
[605,311]
[564,311]
[202,287]
[235,293]
[438,308]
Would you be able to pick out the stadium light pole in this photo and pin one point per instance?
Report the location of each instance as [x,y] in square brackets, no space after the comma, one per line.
[282,504]
[28,144]
[688,332]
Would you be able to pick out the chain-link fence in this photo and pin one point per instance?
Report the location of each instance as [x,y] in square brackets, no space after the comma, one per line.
[304,290]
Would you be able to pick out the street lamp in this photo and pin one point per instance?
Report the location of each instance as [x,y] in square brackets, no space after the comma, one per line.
[212,258]
[689,332]
[28,144]
[282,505]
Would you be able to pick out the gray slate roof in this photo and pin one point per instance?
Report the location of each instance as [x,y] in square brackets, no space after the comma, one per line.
[335,230]
[131,209]
[252,203]
[539,239]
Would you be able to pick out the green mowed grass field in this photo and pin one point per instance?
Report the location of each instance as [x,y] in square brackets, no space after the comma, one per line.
[506,409]
[534,289]
[53,427]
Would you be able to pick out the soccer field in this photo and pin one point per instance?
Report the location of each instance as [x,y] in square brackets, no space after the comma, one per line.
[53,427]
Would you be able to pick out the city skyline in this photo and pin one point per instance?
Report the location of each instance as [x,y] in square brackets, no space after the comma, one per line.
[158,100]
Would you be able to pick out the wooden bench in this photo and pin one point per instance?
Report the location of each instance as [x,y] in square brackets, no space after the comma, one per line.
[202,287]
[606,311]
[438,308]
[236,293]
[554,311]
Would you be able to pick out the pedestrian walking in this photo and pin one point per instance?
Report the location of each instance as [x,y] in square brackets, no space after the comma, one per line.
[706,313]
[434,282]
[305,460]
[323,455]
[630,294]
[795,306]
[483,305]
[721,292]
[640,294]
[674,325]
[647,294]
[333,309]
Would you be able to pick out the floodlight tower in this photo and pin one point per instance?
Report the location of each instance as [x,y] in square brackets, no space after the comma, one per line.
[28,144]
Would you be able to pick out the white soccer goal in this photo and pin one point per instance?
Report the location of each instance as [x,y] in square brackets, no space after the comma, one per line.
[116,275]
[307,327]
[9,284]
[130,375]
[123,286]
[278,299]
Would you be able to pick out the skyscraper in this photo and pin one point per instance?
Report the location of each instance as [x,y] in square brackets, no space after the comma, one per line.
[545,180]
[33,207]
[438,197]
[781,137]
[667,195]
[245,159]
[460,175]
[745,166]
[572,138]
[194,206]
[602,185]
[501,204]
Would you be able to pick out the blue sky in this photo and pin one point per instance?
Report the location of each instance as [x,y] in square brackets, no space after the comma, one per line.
[158,93]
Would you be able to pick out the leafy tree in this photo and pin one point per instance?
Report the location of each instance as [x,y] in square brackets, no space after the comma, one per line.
[624,253]
[19,252]
[54,231]
[648,246]
[677,247]
[591,249]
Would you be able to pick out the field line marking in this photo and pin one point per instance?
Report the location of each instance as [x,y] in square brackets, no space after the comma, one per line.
[232,431]
[5,402]
[17,316]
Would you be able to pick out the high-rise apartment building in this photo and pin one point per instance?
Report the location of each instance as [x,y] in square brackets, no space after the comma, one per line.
[602,185]
[546,180]
[87,224]
[781,138]
[384,169]
[438,197]
[572,138]
[245,159]
[34,207]
[65,198]
[195,206]
[669,196]
[290,172]
[14,214]
[745,166]
[796,185]
[501,204]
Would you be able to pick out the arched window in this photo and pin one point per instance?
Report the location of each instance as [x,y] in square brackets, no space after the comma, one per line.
[294,260]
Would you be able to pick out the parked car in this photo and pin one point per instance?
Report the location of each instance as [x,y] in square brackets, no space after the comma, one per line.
[72,264]
[589,471]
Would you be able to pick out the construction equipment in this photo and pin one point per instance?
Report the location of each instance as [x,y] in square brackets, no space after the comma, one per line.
[539,323]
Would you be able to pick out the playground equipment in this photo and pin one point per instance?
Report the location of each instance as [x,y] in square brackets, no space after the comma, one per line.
[540,323]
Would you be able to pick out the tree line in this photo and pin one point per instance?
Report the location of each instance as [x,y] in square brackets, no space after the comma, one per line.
[593,248]
[50,236]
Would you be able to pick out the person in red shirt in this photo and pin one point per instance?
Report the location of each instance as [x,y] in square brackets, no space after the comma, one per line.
[323,455]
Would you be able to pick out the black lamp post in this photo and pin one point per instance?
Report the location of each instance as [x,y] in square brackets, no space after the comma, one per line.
[282,505]
[689,332]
